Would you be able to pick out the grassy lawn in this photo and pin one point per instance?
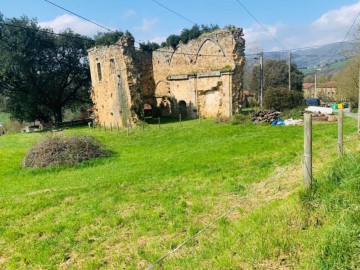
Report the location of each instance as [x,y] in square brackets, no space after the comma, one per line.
[161,187]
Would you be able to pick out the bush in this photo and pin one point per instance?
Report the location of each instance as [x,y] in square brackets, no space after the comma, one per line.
[63,150]
[12,126]
[240,119]
[281,99]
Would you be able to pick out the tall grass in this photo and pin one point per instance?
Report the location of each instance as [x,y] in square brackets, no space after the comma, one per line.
[161,186]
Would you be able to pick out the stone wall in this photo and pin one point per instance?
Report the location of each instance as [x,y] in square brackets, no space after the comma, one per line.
[115,76]
[206,74]
[202,77]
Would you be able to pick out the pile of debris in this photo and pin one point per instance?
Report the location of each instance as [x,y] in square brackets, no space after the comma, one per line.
[323,117]
[265,116]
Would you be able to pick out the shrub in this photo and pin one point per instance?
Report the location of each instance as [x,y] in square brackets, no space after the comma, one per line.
[282,98]
[240,119]
[12,126]
[63,150]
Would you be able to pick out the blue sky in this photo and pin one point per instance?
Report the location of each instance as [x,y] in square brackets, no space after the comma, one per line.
[293,23]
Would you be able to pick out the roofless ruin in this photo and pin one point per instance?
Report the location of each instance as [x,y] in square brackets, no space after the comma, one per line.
[200,78]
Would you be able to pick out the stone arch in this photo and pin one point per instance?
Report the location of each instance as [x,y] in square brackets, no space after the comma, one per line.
[182,108]
[161,88]
[203,45]
[181,54]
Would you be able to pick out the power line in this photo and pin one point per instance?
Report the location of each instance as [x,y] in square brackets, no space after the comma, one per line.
[164,51]
[341,43]
[101,26]
[263,27]
[176,13]
[47,31]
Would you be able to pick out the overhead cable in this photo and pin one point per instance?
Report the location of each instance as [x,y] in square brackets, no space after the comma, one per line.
[262,26]
[342,42]
[176,13]
[101,26]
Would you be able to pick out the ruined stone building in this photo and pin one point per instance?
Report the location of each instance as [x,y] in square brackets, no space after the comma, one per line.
[200,78]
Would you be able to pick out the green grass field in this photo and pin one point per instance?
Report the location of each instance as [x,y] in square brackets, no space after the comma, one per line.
[162,186]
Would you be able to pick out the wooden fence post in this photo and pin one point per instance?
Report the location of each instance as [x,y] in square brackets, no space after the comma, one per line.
[180,118]
[159,121]
[340,132]
[307,150]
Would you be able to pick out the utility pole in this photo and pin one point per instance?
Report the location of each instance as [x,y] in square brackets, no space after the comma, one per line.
[318,69]
[289,70]
[315,86]
[359,106]
[261,78]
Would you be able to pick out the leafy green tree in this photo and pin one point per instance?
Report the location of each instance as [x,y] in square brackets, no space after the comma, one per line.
[41,74]
[106,39]
[347,81]
[149,46]
[276,74]
[281,98]
[173,41]
[189,34]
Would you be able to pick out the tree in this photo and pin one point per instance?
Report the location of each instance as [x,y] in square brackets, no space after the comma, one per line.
[41,73]
[189,34]
[149,46]
[276,74]
[173,41]
[281,98]
[347,81]
[106,39]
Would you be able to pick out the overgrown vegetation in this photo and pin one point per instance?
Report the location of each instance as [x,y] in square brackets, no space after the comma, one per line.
[162,185]
[333,204]
[58,150]
[188,34]
[110,38]
[282,99]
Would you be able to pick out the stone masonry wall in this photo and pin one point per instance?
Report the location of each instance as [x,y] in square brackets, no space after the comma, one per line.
[205,73]
[115,76]
[202,77]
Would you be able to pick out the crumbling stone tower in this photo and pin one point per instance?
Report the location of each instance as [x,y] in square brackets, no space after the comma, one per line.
[200,78]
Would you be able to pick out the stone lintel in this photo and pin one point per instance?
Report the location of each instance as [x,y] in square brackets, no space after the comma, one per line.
[227,72]
[209,74]
[177,77]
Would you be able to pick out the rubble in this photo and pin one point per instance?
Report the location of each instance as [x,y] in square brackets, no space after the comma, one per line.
[265,116]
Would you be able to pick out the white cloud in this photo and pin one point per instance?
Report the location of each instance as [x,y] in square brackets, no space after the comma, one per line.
[78,25]
[256,35]
[129,13]
[147,25]
[158,39]
[330,27]
[342,17]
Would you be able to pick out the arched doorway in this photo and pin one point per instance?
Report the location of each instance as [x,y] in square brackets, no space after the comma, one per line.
[182,109]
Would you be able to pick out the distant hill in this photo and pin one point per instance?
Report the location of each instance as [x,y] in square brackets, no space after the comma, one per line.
[324,57]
